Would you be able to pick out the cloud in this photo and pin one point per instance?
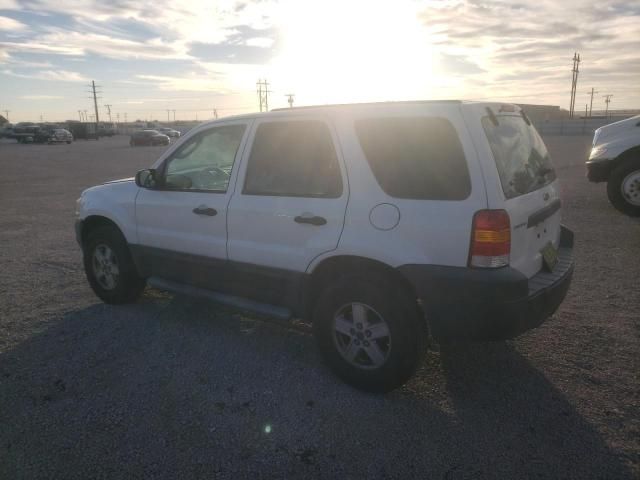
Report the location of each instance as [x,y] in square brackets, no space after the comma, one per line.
[526,47]
[10,24]
[192,83]
[53,75]
[40,97]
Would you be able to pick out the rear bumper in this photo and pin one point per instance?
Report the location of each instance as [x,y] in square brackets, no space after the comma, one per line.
[599,171]
[464,303]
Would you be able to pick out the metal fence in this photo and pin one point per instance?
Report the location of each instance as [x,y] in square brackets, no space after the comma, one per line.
[573,126]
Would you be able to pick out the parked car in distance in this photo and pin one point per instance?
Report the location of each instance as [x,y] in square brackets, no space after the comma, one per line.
[60,135]
[6,131]
[615,159]
[169,132]
[387,225]
[148,137]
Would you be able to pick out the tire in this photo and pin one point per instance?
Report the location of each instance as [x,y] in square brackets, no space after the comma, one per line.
[623,187]
[119,281]
[402,349]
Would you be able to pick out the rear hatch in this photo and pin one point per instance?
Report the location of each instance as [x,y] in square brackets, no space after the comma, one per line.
[521,180]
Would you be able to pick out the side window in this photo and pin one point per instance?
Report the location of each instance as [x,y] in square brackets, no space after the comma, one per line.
[293,159]
[415,157]
[205,161]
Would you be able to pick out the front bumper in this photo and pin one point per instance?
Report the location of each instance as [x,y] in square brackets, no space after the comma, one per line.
[465,303]
[598,171]
[78,228]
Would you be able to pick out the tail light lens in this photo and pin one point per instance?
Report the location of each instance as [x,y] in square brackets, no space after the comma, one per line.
[490,239]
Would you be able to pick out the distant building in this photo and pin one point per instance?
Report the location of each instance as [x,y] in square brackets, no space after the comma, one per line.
[543,113]
[2,120]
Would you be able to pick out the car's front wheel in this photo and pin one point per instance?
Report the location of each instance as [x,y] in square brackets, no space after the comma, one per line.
[369,332]
[109,267]
[623,187]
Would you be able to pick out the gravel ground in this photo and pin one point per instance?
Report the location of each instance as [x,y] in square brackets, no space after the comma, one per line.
[172,387]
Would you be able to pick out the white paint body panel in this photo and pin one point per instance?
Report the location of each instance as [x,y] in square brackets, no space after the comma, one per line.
[115,201]
[262,230]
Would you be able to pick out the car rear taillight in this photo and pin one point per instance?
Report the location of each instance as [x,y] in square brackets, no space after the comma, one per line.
[490,239]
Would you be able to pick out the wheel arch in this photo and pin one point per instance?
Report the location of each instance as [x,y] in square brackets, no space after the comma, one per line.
[92,222]
[630,153]
[333,267]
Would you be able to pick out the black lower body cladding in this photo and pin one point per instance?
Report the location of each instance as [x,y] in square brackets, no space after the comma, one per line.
[599,171]
[465,303]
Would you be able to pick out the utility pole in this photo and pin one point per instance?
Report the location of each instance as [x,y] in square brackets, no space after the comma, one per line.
[174,115]
[6,114]
[607,100]
[591,103]
[215,113]
[290,99]
[574,82]
[263,94]
[109,111]
[118,118]
[80,114]
[95,106]
[95,103]
[168,115]
[125,117]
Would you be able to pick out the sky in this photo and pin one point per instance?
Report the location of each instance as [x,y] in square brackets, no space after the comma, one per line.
[148,57]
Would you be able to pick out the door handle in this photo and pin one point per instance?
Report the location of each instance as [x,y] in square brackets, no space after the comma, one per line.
[204,210]
[311,220]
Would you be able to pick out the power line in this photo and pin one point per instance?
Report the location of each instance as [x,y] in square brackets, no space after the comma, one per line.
[591,103]
[109,111]
[290,99]
[263,94]
[95,104]
[607,101]
[574,82]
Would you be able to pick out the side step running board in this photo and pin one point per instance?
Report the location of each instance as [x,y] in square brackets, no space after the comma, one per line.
[280,313]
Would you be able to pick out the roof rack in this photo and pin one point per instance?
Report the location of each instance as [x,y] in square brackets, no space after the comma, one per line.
[337,105]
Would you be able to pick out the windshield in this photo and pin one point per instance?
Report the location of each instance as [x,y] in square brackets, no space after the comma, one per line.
[522,160]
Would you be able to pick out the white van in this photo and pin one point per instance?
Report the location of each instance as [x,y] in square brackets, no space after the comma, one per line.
[385,224]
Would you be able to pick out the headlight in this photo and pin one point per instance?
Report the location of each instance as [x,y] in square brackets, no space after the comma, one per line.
[598,151]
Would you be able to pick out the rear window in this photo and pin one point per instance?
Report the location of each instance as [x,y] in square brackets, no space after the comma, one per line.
[415,157]
[521,158]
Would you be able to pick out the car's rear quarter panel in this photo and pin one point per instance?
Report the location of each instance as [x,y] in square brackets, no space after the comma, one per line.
[433,232]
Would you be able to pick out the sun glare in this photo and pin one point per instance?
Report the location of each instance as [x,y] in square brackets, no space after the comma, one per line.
[338,51]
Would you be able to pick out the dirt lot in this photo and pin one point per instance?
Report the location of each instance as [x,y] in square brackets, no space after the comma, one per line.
[173,387]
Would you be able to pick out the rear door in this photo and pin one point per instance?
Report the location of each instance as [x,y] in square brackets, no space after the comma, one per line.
[290,200]
[520,179]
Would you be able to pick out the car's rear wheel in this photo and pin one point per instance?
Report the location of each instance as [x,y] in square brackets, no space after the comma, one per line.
[109,267]
[369,332]
[623,187]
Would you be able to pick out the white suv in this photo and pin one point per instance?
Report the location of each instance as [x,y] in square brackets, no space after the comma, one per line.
[385,224]
[615,159]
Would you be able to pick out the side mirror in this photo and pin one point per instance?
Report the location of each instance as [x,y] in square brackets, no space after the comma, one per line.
[146,178]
